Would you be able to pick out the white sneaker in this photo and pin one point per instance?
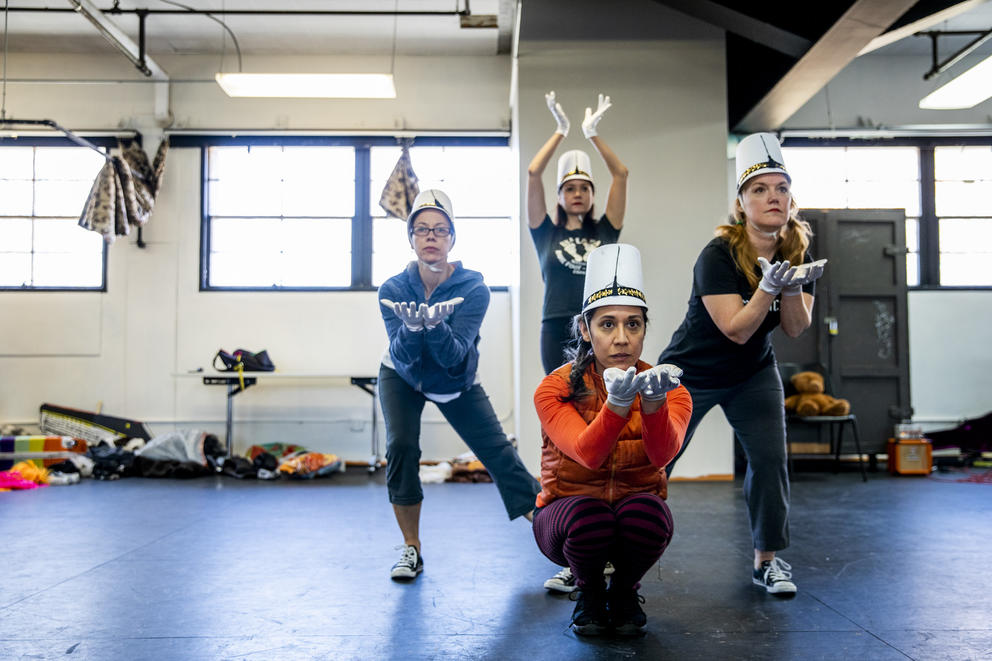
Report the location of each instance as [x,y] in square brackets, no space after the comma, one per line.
[775,577]
[563,581]
[410,564]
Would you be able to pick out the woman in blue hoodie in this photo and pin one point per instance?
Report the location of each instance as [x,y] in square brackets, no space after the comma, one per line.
[433,311]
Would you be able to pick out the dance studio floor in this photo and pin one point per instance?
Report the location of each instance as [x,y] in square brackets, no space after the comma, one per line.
[215,568]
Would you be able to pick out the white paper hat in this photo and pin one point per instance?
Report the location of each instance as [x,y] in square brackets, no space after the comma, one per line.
[613,277]
[759,153]
[574,164]
[431,198]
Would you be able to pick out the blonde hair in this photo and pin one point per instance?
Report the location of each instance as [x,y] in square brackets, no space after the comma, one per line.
[792,242]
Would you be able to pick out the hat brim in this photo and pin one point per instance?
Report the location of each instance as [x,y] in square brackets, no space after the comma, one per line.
[572,177]
[615,300]
[758,173]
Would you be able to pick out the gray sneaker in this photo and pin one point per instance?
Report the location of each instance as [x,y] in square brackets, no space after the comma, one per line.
[410,564]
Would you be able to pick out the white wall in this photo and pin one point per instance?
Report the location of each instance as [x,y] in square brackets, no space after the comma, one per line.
[668,125]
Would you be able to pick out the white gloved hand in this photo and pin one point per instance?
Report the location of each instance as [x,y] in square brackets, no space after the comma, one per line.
[656,382]
[805,274]
[408,313]
[775,276]
[558,113]
[622,386]
[438,312]
[592,118]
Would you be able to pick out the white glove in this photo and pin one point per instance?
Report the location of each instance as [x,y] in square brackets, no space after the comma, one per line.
[621,386]
[805,274]
[775,276]
[438,312]
[656,382]
[558,113]
[592,118]
[408,313]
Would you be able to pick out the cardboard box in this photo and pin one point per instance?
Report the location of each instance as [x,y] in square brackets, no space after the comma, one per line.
[910,456]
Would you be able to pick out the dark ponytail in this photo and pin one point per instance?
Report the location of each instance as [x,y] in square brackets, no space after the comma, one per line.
[579,352]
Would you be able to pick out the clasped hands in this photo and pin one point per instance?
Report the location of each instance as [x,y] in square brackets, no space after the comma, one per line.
[419,317]
[622,386]
[779,278]
[590,121]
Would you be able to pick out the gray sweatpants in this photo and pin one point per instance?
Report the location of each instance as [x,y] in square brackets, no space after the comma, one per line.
[756,411]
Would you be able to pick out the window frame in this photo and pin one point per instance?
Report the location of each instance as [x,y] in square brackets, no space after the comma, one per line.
[929,230]
[107,142]
[361,222]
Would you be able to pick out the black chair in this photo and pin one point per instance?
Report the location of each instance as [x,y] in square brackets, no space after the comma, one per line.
[835,423]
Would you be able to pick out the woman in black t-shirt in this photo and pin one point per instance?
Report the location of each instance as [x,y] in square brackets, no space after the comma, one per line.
[743,287]
[564,241]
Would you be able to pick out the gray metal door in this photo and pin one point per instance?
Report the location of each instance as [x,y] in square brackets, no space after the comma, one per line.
[859,330]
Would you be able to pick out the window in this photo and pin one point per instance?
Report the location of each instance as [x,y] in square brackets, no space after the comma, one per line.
[42,193]
[307,216]
[963,207]
[861,178]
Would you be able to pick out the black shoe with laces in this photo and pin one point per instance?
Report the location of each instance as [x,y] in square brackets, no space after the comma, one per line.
[590,617]
[626,614]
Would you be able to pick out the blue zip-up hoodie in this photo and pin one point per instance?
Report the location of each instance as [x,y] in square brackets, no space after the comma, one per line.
[444,359]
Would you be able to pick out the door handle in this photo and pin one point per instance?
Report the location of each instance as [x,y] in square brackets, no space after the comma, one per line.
[893,250]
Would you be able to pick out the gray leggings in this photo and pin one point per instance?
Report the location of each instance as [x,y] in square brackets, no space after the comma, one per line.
[472,416]
[756,411]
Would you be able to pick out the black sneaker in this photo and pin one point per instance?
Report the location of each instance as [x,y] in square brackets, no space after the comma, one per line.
[775,577]
[590,617]
[410,564]
[626,614]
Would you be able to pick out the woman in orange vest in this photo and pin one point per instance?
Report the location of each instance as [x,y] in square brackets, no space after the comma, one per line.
[609,424]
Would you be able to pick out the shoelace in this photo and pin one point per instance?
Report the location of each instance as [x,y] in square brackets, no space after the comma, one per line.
[778,570]
[409,557]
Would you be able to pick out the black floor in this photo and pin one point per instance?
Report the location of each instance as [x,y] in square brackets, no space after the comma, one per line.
[215,568]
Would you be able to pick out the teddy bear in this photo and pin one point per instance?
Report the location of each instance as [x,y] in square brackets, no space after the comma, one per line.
[811,399]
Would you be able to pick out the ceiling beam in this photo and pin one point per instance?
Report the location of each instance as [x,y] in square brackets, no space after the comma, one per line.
[862,22]
[742,25]
[922,24]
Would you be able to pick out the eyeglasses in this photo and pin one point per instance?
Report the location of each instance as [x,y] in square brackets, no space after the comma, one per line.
[440,231]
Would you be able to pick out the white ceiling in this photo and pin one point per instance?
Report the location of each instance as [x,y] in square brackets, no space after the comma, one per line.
[56,32]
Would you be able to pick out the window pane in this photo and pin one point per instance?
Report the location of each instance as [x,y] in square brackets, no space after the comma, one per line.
[965,235]
[65,235]
[67,270]
[913,256]
[15,269]
[15,235]
[962,163]
[68,163]
[61,198]
[963,198]
[16,162]
[912,270]
[885,195]
[958,270]
[16,197]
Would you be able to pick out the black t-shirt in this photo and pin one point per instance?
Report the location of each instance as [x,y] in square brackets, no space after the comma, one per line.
[708,357]
[563,254]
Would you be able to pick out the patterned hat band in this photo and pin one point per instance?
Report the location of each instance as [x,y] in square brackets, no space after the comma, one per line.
[574,172]
[614,290]
[769,164]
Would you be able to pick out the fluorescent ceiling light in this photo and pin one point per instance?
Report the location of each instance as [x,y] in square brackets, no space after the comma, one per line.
[966,91]
[309,85]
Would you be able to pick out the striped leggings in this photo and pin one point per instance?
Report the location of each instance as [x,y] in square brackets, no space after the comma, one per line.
[584,533]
